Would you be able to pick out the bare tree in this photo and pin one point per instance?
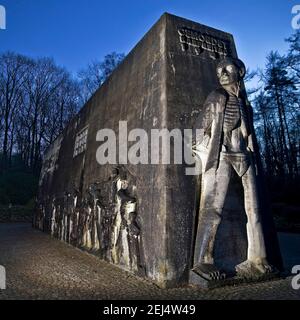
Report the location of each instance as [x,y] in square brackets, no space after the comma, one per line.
[13,71]
[37,99]
[92,77]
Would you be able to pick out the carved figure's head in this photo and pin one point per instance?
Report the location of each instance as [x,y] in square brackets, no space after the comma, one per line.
[230,71]
[122,184]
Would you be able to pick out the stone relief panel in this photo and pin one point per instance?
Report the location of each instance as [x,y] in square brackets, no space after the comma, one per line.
[104,220]
[49,166]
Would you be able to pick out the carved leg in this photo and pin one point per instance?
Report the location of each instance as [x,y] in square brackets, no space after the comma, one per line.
[207,229]
[257,262]
[214,190]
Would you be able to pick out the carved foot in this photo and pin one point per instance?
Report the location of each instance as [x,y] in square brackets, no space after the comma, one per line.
[250,268]
[209,272]
[264,267]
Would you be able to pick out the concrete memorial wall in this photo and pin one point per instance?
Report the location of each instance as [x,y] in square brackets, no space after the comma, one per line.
[144,216]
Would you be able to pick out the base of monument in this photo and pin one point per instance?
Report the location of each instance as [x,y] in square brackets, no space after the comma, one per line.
[197,280]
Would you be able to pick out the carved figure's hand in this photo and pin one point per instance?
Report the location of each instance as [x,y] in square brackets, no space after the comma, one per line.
[250,146]
[196,150]
[200,147]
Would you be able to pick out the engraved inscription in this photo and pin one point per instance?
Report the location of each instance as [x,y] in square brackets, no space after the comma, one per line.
[198,42]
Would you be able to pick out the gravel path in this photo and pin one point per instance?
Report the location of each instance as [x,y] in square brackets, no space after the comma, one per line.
[40,267]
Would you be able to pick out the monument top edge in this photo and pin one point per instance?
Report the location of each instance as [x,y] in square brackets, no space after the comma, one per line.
[162,20]
[196,24]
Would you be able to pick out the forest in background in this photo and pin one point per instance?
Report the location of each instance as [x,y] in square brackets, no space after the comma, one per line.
[276,105]
[38,98]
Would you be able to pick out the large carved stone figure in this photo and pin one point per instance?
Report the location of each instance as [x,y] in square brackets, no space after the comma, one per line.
[227,147]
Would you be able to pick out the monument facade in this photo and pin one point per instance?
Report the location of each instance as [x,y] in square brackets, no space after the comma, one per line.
[154,219]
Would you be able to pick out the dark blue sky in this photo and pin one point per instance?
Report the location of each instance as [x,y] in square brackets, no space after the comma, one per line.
[75,32]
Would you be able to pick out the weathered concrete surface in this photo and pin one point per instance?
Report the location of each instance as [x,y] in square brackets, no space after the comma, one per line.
[41,267]
[135,93]
[162,83]
[190,79]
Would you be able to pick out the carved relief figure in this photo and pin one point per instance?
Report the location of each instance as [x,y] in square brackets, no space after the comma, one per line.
[50,161]
[125,235]
[228,146]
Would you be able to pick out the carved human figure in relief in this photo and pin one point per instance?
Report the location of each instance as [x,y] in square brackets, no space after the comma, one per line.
[227,146]
[125,240]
